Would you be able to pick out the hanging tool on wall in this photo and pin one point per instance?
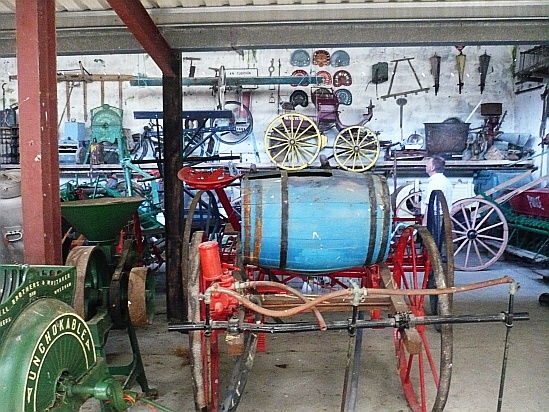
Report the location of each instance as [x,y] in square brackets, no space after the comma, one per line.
[460,62]
[401,102]
[192,67]
[278,88]
[380,73]
[272,86]
[435,70]
[416,91]
[484,62]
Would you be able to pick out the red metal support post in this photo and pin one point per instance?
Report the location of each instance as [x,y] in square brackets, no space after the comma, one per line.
[38,139]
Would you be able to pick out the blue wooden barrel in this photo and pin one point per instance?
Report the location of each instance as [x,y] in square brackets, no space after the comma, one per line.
[315,221]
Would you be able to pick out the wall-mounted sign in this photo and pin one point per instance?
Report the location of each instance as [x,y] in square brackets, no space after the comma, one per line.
[236,73]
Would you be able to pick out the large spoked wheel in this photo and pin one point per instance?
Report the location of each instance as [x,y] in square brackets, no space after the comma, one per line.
[243,125]
[356,148]
[400,192]
[409,207]
[293,141]
[439,225]
[480,233]
[425,381]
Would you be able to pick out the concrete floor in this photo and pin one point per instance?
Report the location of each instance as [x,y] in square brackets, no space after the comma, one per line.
[304,371]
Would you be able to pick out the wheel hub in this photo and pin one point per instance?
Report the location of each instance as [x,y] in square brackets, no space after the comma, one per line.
[471,234]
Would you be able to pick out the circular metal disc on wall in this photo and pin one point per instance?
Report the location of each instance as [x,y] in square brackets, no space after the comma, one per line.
[340,58]
[301,82]
[342,78]
[321,58]
[299,98]
[300,58]
[344,97]
[326,77]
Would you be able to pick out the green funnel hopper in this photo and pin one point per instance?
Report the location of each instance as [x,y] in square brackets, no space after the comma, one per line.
[100,220]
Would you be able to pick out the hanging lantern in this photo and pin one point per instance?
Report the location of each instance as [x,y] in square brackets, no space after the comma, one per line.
[435,70]
[460,61]
[484,62]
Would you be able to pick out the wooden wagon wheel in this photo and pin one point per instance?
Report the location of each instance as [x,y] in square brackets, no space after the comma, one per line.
[425,387]
[480,233]
[409,206]
[399,193]
[204,348]
[356,148]
[293,141]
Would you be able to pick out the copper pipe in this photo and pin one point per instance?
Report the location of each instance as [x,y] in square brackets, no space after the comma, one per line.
[289,289]
[349,292]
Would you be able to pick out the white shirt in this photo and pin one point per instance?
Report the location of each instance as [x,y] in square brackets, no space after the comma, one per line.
[440,182]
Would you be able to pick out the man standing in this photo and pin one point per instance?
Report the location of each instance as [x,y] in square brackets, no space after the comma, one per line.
[437,181]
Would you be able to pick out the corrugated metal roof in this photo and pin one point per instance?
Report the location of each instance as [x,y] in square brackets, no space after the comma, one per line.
[207,7]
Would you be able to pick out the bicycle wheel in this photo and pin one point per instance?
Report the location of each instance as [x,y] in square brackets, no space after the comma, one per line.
[439,224]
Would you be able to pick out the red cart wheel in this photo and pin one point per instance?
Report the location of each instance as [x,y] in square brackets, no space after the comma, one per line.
[206,359]
[204,348]
[425,380]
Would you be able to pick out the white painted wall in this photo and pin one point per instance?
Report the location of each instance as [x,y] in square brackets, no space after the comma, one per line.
[523,111]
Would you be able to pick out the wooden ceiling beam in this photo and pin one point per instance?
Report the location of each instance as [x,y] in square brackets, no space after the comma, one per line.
[141,25]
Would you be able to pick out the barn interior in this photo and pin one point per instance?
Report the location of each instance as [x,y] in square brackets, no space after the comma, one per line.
[187,187]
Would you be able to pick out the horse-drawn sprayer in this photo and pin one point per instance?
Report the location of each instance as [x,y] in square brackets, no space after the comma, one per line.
[331,234]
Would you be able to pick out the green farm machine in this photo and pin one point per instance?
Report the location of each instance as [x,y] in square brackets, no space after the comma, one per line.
[55,320]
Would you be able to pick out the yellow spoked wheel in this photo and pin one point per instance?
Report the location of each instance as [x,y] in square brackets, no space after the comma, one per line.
[356,148]
[293,141]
